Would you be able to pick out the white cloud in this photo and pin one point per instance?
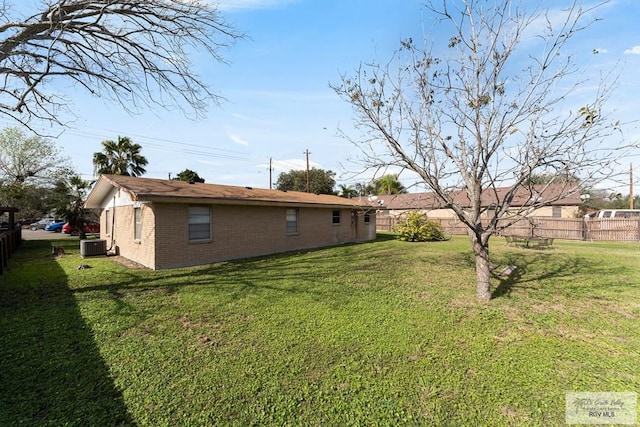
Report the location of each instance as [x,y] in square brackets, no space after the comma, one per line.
[633,51]
[235,138]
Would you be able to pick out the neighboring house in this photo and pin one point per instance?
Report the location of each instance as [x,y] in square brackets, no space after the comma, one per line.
[565,207]
[167,223]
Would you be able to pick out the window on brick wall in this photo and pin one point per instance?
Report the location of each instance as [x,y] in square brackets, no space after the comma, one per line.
[336,217]
[367,217]
[199,223]
[292,221]
[557,212]
[137,223]
[108,217]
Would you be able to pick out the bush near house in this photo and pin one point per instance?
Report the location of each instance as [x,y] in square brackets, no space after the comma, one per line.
[417,228]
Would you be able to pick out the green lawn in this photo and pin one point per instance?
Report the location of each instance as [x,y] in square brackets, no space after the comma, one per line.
[383,333]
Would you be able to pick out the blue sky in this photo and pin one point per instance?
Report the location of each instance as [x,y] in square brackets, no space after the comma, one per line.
[279,103]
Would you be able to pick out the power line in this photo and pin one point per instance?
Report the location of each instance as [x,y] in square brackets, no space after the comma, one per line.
[148,140]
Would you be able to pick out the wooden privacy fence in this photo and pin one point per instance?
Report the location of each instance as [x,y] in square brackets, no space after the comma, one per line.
[606,229]
[9,242]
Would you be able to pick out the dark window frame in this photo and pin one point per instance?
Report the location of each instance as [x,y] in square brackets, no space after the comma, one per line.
[199,230]
[336,217]
[292,219]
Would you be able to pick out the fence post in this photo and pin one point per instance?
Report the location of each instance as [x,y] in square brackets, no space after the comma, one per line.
[4,252]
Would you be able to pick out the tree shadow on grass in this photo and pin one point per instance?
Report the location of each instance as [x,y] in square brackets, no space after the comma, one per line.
[507,283]
[51,370]
[384,236]
[554,269]
[308,273]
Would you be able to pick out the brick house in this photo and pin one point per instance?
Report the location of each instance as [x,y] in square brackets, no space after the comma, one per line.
[167,224]
[428,203]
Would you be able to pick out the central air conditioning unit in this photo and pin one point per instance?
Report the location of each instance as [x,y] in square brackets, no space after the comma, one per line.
[93,247]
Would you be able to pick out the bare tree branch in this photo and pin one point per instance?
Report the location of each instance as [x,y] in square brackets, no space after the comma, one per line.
[134,52]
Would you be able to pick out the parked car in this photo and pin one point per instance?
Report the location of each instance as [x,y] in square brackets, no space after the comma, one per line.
[88,228]
[26,222]
[615,213]
[55,227]
[41,224]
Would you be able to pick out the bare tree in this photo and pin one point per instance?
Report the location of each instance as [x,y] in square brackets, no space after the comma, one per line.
[135,52]
[478,113]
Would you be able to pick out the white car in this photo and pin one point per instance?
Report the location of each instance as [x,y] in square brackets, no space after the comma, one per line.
[615,213]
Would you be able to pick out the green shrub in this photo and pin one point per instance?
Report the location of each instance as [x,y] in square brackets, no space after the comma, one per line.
[417,228]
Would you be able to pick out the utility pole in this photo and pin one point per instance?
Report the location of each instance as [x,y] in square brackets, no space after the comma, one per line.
[631,186]
[270,173]
[307,153]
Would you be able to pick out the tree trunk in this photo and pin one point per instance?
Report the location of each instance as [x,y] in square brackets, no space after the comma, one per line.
[483,272]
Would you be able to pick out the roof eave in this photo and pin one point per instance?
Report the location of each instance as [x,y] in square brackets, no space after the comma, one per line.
[104,186]
[245,202]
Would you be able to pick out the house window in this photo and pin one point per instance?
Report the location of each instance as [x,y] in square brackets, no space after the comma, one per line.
[292,221]
[367,217]
[108,217]
[137,223]
[199,223]
[556,212]
[336,217]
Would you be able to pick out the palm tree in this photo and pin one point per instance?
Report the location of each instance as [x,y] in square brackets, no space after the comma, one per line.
[348,191]
[365,189]
[121,157]
[389,184]
[72,193]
